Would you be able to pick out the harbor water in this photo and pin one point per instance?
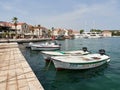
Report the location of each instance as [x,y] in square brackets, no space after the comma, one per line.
[105,77]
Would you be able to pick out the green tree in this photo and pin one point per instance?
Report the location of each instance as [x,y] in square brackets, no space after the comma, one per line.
[15,21]
[32,29]
[49,33]
[95,30]
[39,26]
[81,31]
[115,32]
[52,30]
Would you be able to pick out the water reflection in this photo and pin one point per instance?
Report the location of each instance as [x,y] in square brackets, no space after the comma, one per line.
[70,79]
[92,79]
[83,74]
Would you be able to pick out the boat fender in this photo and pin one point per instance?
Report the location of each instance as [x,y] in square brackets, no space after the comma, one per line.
[84,49]
[102,52]
[30,43]
[59,44]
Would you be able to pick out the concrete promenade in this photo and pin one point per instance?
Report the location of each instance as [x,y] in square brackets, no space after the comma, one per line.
[15,72]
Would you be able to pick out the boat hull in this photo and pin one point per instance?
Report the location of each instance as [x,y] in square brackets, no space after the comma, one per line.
[44,48]
[77,66]
[29,45]
[47,54]
[46,57]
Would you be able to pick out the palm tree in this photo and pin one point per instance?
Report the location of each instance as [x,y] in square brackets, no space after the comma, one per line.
[15,21]
[39,26]
[52,30]
[49,33]
[32,30]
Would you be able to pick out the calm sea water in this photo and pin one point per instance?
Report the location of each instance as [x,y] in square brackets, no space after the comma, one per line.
[106,77]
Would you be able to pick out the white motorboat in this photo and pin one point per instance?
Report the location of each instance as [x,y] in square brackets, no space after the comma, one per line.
[80,62]
[45,46]
[29,45]
[92,35]
[47,54]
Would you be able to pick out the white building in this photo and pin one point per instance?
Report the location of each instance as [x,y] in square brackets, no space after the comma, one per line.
[58,31]
[107,33]
[22,28]
[40,32]
[77,34]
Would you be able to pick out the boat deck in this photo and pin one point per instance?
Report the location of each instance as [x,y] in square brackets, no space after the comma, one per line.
[79,58]
[15,72]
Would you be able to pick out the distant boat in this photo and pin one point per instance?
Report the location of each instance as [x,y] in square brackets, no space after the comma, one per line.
[29,45]
[60,37]
[47,54]
[92,35]
[78,36]
[46,46]
[80,62]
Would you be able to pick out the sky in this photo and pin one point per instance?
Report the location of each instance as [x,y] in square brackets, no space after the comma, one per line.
[67,14]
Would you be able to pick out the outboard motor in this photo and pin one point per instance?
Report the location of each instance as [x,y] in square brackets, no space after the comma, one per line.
[84,49]
[59,44]
[102,52]
[55,43]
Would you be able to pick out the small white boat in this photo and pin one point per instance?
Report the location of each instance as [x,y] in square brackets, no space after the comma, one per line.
[92,35]
[80,62]
[29,45]
[47,54]
[46,46]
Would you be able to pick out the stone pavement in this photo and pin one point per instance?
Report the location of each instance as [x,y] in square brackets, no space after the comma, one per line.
[15,72]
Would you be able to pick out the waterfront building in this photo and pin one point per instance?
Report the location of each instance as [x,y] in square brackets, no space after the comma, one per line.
[58,31]
[40,32]
[22,28]
[77,34]
[68,33]
[5,24]
[107,33]
[5,30]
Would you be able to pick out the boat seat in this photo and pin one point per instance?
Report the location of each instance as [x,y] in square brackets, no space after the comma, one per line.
[96,58]
[52,44]
[86,59]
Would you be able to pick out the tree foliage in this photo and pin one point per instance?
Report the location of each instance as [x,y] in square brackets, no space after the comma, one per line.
[15,21]
[95,30]
[115,32]
[81,31]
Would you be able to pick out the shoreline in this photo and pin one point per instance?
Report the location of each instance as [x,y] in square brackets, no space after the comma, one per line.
[23,40]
